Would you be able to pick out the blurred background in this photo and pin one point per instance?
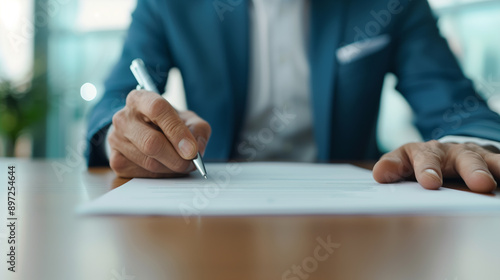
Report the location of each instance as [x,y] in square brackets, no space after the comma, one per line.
[55,55]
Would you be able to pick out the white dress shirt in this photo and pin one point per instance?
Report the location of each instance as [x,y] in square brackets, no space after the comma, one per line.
[278,123]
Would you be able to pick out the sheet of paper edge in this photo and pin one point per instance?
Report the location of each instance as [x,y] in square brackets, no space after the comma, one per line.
[491,208]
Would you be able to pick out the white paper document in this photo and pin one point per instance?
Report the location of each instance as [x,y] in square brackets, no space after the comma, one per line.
[282,188]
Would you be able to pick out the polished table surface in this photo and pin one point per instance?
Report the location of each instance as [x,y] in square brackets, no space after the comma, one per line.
[55,243]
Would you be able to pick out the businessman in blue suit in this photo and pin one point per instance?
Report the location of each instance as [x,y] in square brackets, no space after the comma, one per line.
[292,80]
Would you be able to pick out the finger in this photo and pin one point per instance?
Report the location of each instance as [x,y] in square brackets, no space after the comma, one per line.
[130,151]
[426,159]
[151,145]
[157,110]
[125,168]
[474,171]
[200,128]
[392,167]
[493,162]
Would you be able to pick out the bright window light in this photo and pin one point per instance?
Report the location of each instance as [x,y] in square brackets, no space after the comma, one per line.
[16,39]
[88,92]
[436,4]
[10,13]
[97,15]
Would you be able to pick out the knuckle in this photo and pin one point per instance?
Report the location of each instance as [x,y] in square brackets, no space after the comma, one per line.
[419,157]
[456,148]
[113,139]
[173,127]
[431,149]
[469,154]
[427,159]
[413,145]
[159,107]
[386,156]
[151,144]
[131,97]
[435,144]
[118,118]
[410,148]
[435,154]
[471,146]
[118,163]
[152,165]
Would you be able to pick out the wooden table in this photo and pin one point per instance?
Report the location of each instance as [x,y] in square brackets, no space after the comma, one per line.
[54,243]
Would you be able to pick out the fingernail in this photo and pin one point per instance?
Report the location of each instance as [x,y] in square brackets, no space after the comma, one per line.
[202,144]
[434,174]
[186,148]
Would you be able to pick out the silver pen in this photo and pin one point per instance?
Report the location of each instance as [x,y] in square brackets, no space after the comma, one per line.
[141,74]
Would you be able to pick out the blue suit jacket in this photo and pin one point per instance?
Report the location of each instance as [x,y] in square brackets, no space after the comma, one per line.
[209,42]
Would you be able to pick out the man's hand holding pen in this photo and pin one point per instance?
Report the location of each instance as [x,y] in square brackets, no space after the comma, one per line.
[149,138]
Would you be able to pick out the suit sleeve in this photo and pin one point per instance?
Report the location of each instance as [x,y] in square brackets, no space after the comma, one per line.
[145,39]
[429,77]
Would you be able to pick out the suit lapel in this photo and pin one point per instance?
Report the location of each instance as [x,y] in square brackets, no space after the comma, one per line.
[325,32]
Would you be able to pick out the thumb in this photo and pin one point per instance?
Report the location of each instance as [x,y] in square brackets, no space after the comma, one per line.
[392,167]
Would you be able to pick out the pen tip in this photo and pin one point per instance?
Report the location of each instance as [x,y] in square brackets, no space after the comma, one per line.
[205,176]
